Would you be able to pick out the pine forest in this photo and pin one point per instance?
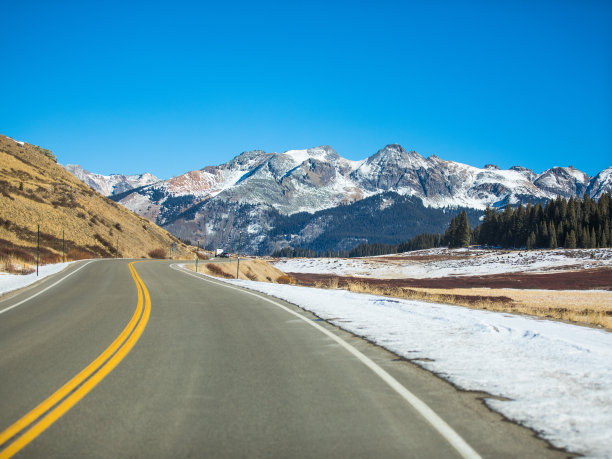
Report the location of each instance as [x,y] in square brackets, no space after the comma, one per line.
[574,223]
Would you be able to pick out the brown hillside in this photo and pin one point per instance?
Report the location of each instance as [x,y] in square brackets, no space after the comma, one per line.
[35,190]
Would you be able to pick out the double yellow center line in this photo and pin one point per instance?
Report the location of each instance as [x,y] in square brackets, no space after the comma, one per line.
[26,429]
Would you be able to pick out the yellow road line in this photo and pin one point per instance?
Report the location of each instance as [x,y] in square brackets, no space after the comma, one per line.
[75,389]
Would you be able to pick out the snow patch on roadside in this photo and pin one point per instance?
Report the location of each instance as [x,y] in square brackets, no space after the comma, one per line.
[9,282]
[557,375]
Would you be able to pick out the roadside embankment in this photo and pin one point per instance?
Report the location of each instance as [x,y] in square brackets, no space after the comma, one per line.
[255,270]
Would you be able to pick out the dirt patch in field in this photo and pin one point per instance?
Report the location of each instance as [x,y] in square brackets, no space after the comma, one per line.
[586,279]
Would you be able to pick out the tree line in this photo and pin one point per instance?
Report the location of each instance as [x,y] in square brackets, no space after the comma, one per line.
[419,242]
[573,223]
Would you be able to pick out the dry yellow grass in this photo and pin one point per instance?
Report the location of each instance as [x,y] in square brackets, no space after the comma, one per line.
[583,307]
[35,190]
[15,265]
[256,270]
[590,307]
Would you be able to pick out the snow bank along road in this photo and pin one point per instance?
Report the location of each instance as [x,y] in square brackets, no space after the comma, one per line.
[551,376]
[138,359]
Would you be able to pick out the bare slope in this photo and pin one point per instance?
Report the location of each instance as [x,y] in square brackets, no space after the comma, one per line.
[255,270]
[35,190]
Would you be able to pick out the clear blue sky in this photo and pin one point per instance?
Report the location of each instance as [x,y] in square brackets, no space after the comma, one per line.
[168,87]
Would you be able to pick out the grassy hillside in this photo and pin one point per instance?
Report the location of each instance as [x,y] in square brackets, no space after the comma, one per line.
[35,190]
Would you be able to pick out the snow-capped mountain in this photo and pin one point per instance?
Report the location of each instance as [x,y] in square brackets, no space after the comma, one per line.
[109,185]
[563,181]
[319,178]
[601,183]
[252,190]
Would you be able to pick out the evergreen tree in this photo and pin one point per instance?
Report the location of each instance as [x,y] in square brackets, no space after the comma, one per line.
[583,238]
[552,244]
[464,231]
[561,234]
[519,238]
[542,236]
[459,232]
[570,240]
[531,240]
[451,234]
[605,236]
[487,228]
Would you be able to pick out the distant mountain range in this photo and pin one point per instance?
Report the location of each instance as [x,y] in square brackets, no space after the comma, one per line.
[109,185]
[307,192]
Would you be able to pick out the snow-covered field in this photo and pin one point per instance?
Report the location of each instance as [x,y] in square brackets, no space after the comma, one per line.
[10,282]
[443,262]
[557,375]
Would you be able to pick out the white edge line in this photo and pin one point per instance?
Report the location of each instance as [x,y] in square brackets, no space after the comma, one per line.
[455,440]
[45,289]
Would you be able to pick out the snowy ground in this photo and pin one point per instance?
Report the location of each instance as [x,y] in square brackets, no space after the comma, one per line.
[443,262]
[557,375]
[10,282]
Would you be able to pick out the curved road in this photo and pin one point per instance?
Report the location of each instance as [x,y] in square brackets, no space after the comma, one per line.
[151,361]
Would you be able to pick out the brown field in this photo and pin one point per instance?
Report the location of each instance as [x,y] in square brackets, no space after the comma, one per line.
[585,279]
[35,190]
[577,304]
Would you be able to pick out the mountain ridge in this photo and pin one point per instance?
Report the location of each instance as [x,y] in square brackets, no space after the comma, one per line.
[440,183]
[112,184]
[317,179]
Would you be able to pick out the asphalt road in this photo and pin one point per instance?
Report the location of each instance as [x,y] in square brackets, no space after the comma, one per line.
[161,364]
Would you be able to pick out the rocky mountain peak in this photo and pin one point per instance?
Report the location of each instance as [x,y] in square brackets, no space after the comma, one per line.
[109,185]
[394,156]
[563,181]
[322,153]
[601,183]
[325,152]
[247,160]
[528,173]
[521,169]
[392,152]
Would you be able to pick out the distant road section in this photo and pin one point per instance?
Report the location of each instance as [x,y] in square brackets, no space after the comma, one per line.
[124,359]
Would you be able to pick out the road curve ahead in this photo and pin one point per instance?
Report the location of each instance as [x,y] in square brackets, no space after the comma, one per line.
[139,359]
